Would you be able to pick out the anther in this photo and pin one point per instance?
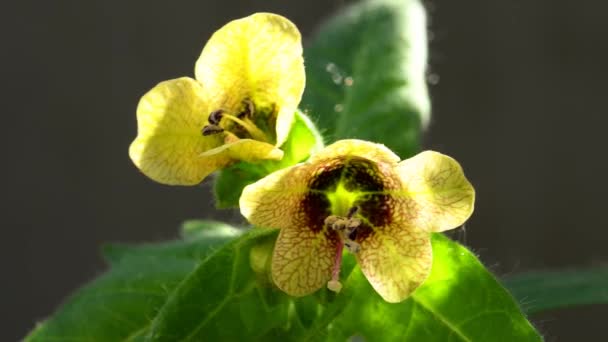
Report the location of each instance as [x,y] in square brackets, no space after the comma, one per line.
[346,227]
[330,220]
[215,117]
[248,111]
[353,223]
[211,129]
[352,246]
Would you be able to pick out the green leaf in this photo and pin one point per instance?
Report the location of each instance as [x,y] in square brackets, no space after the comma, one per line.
[461,301]
[120,304]
[365,75]
[542,291]
[303,140]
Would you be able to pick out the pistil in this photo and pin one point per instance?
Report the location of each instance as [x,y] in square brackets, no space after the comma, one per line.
[334,284]
[346,227]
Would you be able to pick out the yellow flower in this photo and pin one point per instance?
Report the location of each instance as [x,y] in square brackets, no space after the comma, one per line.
[249,81]
[358,195]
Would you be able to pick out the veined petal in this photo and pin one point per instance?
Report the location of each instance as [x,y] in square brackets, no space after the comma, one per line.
[359,148]
[257,58]
[275,200]
[436,196]
[302,261]
[169,141]
[395,260]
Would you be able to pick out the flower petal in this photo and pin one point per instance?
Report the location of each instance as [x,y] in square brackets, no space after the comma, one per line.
[257,58]
[360,148]
[169,141]
[274,201]
[437,196]
[395,260]
[303,260]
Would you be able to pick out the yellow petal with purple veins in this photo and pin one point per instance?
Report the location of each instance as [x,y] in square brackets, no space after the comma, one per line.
[257,58]
[302,261]
[359,148]
[275,200]
[395,260]
[169,140]
[436,195]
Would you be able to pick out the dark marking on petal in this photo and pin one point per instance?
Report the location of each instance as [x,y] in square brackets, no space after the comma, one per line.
[362,232]
[362,175]
[316,207]
[376,208]
[327,178]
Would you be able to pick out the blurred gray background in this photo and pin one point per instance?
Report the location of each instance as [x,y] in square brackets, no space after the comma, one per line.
[520,102]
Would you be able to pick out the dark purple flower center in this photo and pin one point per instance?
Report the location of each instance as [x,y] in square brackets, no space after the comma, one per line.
[356,182]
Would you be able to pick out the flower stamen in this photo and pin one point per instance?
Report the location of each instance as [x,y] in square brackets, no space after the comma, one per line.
[346,227]
[214,123]
[242,119]
[252,129]
[249,109]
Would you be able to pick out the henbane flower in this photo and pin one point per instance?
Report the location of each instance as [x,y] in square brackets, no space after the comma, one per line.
[249,81]
[359,196]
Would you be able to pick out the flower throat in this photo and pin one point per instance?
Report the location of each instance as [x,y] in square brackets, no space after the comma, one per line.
[239,125]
